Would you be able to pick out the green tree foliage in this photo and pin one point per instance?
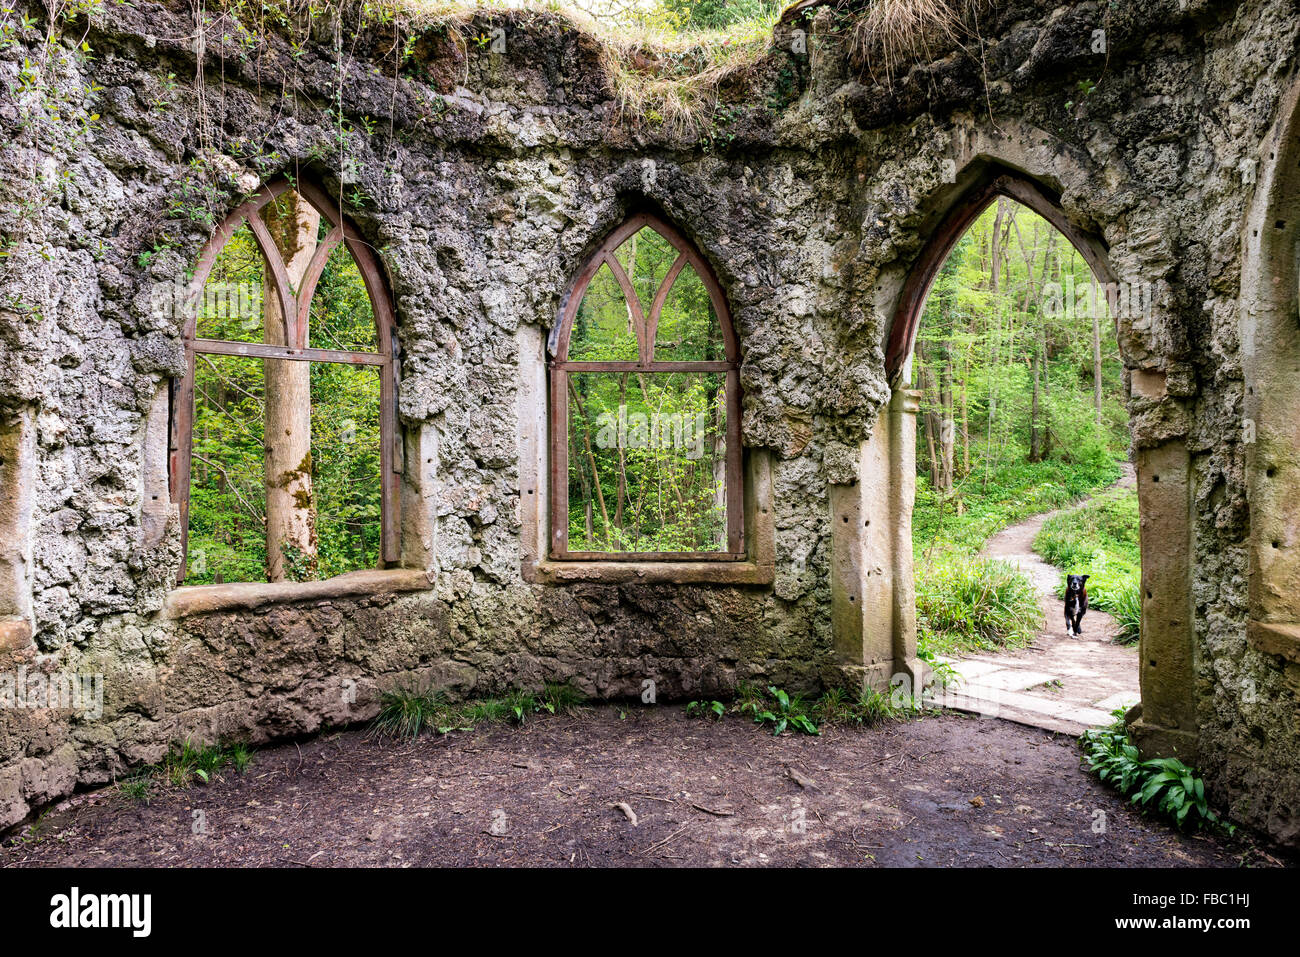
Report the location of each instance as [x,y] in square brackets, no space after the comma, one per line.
[227,527]
[647,450]
[1006,373]
[716,14]
[1010,424]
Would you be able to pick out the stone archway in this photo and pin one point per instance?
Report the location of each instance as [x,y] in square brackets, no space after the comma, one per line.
[994,182]
[883,628]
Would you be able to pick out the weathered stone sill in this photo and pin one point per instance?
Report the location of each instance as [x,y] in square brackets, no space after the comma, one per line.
[675,573]
[205,599]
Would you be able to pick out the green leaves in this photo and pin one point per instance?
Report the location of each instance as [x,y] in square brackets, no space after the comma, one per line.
[1165,786]
[228,498]
[971,603]
[705,709]
[803,723]
[786,711]
[407,709]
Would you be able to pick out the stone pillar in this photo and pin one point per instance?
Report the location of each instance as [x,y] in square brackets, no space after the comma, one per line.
[1271,433]
[872,599]
[1167,726]
[531,404]
[903,408]
[17,490]
[419,489]
[155,502]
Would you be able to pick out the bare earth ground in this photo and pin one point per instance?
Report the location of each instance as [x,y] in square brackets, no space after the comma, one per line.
[1062,683]
[940,791]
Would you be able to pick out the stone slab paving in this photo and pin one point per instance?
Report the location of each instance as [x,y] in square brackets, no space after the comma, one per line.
[1061,683]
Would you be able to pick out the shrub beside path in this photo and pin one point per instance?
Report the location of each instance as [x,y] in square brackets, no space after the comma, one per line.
[1059,682]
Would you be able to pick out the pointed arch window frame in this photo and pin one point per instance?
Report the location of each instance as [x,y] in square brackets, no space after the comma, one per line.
[295,310]
[646,328]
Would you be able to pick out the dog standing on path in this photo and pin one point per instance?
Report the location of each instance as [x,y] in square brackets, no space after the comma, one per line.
[1076,602]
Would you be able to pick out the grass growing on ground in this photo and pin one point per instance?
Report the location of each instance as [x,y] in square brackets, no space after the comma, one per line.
[1100,539]
[1164,786]
[185,763]
[407,710]
[966,604]
[772,707]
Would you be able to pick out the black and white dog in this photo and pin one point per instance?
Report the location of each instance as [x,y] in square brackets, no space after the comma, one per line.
[1076,602]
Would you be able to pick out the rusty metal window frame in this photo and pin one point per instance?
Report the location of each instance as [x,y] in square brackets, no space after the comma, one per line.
[295,309]
[646,326]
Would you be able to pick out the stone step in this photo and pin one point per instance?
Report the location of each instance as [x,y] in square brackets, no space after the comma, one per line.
[1023,708]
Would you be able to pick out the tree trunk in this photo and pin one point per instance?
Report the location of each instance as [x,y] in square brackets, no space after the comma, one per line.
[622,455]
[924,378]
[965,416]
[946,425]
[719,459]
[930,446]
[1096,367]
[290,505]
[575,462]
[995,341]
[1035,445]
[591,462]
[1047,409]
[995,255]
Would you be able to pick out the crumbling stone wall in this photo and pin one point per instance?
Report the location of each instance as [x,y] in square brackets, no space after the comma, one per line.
[484,177]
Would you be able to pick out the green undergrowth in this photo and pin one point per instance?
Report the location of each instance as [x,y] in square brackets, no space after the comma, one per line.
[408,710]
[983,505]
[774,708]
[186,762]
[1100,539]
[966,604]
[1164,787]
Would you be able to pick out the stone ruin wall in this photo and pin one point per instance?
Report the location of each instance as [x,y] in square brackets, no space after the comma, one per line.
[487,180]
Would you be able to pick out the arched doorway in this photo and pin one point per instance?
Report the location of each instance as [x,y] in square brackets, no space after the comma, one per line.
[880,563]
[1026,552]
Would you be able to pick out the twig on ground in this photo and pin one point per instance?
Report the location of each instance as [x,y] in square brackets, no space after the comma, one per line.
[666,840]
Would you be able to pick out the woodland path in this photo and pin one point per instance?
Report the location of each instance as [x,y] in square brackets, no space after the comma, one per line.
[1059,683]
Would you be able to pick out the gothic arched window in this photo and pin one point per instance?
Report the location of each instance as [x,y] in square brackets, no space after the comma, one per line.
[284,459]
[645,406]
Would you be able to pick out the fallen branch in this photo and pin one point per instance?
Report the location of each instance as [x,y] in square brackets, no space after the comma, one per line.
[666,840]
[627,811]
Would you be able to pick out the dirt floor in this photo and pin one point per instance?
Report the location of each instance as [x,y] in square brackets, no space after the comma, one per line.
[939,791]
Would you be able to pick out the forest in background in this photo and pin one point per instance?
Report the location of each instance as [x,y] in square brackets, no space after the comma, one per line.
[1022,411]
[647,449]
[228,500]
